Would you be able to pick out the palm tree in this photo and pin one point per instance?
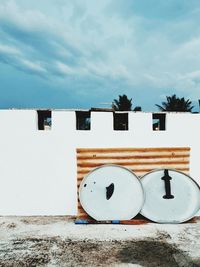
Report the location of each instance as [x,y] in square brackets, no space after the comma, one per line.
[122,104]
[137,108]
[175,103]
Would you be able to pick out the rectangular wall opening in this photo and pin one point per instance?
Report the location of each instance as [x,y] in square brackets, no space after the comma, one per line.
[44,119]
[120,121]
[83,120]
[159,122]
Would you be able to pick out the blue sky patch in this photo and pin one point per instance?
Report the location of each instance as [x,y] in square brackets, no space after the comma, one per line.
[83,53]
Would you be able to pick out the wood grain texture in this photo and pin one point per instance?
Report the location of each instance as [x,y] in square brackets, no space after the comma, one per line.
[139,160]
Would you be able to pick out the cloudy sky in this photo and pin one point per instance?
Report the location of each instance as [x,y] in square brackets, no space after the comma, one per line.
[84,53]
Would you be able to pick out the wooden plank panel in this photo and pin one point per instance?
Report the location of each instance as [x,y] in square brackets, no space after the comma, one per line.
[149,149]
[132,154]
[82,165]
[139,160]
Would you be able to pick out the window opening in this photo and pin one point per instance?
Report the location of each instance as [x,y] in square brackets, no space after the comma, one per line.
[83,120]
[159,122]
[120,121]
[44,119]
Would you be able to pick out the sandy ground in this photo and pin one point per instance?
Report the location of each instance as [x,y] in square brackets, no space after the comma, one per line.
[57,242]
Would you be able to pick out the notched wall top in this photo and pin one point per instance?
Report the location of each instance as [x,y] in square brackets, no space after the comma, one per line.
[95,119]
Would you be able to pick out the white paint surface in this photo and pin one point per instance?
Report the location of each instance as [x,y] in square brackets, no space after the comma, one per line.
[184,201]
[38,168]
[124,203]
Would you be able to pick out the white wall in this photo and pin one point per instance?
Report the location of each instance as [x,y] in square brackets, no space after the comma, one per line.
[38,168]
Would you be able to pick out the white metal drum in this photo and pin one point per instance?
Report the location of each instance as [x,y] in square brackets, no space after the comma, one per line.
[111,192]
[170,196]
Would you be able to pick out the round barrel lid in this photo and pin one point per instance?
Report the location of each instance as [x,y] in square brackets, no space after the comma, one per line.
[111,192]
[170,196]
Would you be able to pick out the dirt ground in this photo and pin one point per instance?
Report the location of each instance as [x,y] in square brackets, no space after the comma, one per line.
[57,242]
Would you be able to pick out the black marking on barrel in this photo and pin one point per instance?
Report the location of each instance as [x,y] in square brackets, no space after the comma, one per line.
[167,179]
[109,191]
[85,185]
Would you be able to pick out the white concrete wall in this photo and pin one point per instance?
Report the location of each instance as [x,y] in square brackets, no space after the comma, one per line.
[38,168]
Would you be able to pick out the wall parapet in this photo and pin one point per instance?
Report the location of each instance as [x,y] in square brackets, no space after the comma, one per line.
[105,121]
[38,171]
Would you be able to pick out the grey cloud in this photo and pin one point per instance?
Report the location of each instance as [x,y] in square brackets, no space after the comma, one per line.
[105,40]
[155,9]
